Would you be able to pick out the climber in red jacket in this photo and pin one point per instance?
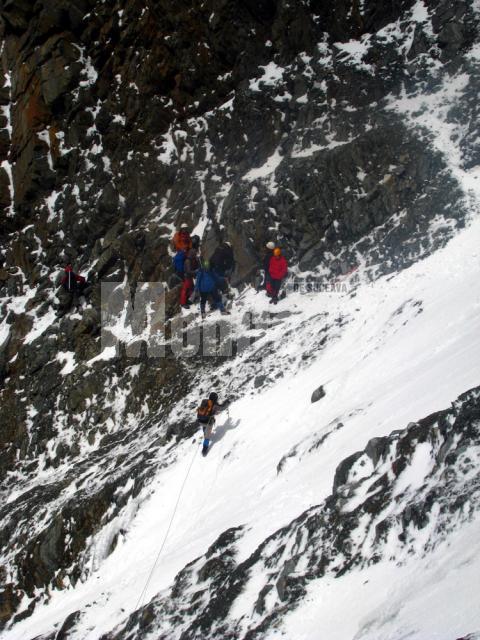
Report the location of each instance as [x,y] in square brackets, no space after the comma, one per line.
[73,287]
[277,272]
[72,281]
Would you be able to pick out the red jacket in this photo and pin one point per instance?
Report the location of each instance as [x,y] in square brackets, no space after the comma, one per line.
[71,279]
[278,268]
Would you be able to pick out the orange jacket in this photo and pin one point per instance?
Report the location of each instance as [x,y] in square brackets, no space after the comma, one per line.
[182,241]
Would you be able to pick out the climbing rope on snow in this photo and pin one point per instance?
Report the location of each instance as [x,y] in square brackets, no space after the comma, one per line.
[208,493]
[221,459]
[172,518]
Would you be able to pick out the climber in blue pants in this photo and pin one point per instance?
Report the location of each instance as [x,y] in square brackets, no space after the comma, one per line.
[206,417]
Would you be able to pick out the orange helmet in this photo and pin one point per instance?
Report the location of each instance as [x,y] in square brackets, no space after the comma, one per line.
[277,252]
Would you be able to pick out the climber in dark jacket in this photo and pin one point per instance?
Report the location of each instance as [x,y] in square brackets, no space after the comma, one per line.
[222,261]
[223,265]
[207,283]
[269,247]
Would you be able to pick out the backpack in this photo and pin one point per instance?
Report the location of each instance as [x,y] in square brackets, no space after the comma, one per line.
[178,261]
[193,263]
[206,282]
[205,410]
[222,259]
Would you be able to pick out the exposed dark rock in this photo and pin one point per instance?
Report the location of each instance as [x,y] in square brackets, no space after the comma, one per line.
[343,470]
[9,601]
[259,381]
[318,394]
[68,624]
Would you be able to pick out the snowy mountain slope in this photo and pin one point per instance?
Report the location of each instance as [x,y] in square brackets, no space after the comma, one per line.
[404,507]
[409,345]
[351,135]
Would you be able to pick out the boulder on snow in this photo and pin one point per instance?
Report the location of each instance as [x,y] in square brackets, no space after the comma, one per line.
[318,394]
[9,601]
[259,381]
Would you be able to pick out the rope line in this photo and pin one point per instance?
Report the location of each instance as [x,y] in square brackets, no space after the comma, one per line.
[172,518]
[144,590]
[208,493]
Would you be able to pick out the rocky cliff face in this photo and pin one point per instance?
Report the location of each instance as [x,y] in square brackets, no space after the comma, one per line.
[317,126]
[124,121]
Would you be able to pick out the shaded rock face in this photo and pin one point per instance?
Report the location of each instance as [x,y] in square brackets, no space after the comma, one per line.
[247,120]
[355,527]
[143,116]
[95,443]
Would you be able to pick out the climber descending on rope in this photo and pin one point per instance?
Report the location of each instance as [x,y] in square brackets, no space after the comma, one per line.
[206,417]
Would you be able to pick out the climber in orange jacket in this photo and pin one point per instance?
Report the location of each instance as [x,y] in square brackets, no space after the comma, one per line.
[182,241]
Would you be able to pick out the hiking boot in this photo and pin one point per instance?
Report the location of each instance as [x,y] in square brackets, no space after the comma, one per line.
[204,315]
[225,313]
[185,306]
